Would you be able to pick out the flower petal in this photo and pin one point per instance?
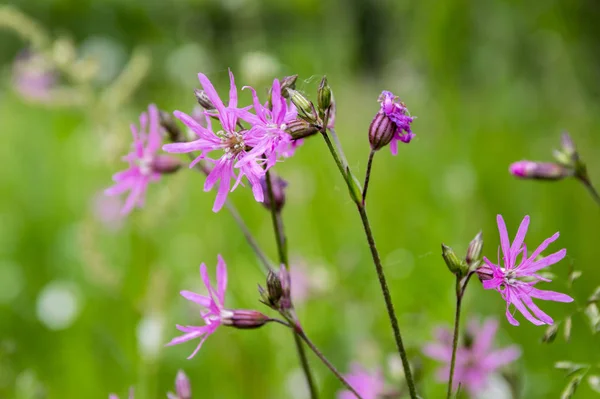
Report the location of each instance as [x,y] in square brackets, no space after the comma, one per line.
[533,267]
[501,357]
[548,295]
[504,241]
[519,239]
[197,298]
[221,279]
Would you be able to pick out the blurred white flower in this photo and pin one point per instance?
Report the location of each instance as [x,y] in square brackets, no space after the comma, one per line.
[258,67]
[58,305]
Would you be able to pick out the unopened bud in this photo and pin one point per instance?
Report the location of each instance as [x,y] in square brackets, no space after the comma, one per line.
[243,319]
[550,333]
[539,170]
[203,99]
[288,82]
[306,109]
[381,131]
[474,250]
[182,386]
[455,265]
[567,144]
[330,114]
[168,123]
[324,95]
[484,272]
[300,129]
[278,185]
[165,164]
[274,289]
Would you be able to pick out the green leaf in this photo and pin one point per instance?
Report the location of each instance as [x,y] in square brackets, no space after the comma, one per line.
[570,367]
[574,275]
[595,297]
[593,315]
[571,387]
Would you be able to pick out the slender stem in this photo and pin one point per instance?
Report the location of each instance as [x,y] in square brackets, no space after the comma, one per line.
[240,222]
[459,296]
[283,259]
[367,177]
[326,362]
[277,223]
[388,302]
[338,145]
[591,190]
[349,178]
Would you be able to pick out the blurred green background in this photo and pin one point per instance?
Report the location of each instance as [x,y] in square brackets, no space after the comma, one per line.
[87,302]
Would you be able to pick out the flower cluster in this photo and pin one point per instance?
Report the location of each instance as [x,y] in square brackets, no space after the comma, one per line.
[391,124]
[240,152]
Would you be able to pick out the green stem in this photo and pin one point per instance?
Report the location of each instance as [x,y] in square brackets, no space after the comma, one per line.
[357,197]
[283,259]
[367,177]
[326,362]
[591,190]
[455,338]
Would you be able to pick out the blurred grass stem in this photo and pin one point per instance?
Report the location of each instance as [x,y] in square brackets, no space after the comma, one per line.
[356,195]
[283,259]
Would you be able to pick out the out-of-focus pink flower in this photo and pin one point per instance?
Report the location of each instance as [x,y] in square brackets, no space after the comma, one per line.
[269,124]
[107,210]
[391,124]
[230,142]
[145,165]
[113,396]
[368,384]
[33,77]
[183,389]
[476,360]
[508,281]
[539,170]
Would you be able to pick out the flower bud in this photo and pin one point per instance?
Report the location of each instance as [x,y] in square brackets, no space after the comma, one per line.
[203,99]
[168,123]
[243,319]
[550,333]
[381,131]
[182,386]
[474,250]
[567,144]
[274,289]
[324,95]
[278,185]
[165,164]
[306,109]
[455,265]
[300,129]
[288,82]
[484,272]
[539,170]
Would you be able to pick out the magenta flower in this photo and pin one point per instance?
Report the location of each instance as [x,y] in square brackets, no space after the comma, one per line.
[476,360]
[145,165]
[231,143]
[508,280]
[268,126]
[398,113]
[368,385]
[213,305]
[183,389]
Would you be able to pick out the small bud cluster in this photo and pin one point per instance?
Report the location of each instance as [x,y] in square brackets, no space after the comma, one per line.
[470,263]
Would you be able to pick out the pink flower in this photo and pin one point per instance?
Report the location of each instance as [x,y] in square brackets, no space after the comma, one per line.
[183,389]
[398,113]
[508,281]
[213,305]
[145,165]
[368,385]
[231,143]
[269,124]
[34,77]
[476,361]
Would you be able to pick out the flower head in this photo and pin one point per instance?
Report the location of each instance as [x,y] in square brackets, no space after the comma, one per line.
[145,165]
[212,304]
[370,385]
[214,312]
[231,143]
[476,360]
[269,126]
[391,124]
[509,279]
